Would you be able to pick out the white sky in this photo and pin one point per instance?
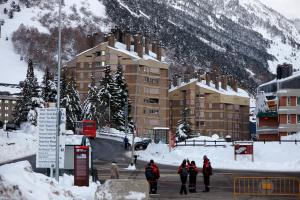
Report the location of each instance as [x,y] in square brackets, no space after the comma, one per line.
[289,8]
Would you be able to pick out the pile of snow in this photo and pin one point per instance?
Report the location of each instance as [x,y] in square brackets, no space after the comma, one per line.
[271,156]
[18,181]
[291,137]
[18,144]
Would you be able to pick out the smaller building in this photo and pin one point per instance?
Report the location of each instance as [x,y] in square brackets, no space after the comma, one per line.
[8,99]
[278,105]
[214,103]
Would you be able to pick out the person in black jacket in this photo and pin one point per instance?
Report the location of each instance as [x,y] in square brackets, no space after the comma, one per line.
[193,171]
[183,172]
[207,172]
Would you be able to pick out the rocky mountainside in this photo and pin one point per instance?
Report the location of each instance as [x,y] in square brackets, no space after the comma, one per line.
[242,37]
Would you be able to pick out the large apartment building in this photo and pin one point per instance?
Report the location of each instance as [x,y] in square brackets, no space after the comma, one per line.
[215,105]
[144,69]
[278,105]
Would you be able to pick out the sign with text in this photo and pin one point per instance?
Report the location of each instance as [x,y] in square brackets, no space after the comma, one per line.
[47,138]
[81,165]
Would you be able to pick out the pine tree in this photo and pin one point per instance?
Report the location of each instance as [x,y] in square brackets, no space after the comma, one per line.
[91,109]
[28,99]
[107,104]
[49,89]
[183,129]
[63,89]
[120,96]
[73,108]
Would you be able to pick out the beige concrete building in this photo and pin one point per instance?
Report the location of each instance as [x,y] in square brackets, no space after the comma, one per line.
[214,107]
[145,72]
[8,100]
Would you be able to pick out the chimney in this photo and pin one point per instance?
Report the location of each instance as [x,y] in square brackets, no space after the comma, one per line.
[137,39]
[207,78]
[140,46]
[111,40]
[105,38]
[127,41]
[179,81]
[174,82]
[158,52]
[147,41]
[216,78]
[234,85]
[154,46]
[186,78]
[224,82]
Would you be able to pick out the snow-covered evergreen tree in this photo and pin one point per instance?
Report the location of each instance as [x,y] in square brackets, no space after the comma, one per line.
[73,108]
[49,89]
[29,98]
[183,129]
[63,90]
[91,106]
[106,92]
[120,96]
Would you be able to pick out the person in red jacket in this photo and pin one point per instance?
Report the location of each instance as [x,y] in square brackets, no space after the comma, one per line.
[183,172]
[207,172]
[193,171]
[152,175]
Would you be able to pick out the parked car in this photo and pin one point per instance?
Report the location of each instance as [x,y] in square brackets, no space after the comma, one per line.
[142,145]
[10,126]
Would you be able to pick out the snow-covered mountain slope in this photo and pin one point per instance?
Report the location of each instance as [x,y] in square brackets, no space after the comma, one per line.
[282,34]
[41,15]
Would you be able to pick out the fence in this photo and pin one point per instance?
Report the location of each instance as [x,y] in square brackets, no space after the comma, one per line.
[266,186]
[216,143]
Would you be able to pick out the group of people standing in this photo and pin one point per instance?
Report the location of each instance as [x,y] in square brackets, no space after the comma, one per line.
[187,171]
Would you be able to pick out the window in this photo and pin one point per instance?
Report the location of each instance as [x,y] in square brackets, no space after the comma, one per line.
[210,115]
[98,64]
[154,90]
[81,85]
[0,101]
[298,119]
[81,75]
[6,115]
[13,102]
[288,119]
[298,101]
[103,53]
[103,63]
[153,100]
[6,108]
[154,111]
[288,101]
[6,101]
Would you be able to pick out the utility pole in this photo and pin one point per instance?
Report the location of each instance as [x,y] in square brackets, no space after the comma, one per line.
[126,117]
[58,94]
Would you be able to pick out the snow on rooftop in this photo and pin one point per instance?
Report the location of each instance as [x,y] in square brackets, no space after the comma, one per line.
[229,91]
[10,89]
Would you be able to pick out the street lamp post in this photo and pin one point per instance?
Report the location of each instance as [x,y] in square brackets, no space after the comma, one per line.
[1,24]
[58,94]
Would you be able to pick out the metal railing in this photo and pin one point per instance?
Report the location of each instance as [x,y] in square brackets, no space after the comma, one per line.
[217,143]
[266,186]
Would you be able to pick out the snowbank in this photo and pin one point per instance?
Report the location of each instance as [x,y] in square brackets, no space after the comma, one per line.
[291,137]
[114,134]
[18,144]
[271,156]
[18,181]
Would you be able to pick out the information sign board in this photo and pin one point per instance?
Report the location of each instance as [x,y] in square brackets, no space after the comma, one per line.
[47,138]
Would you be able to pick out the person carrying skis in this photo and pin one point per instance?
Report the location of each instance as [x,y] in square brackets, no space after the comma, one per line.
[207,172]
[152,175]
[193,171]
[183,172]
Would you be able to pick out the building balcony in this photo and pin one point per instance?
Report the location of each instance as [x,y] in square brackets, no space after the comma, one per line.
[289,128]
[270,113]
[289,110]
[267,130]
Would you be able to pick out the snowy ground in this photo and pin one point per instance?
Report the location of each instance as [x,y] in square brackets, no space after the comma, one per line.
[18,181]
[20,143]
[271,156]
